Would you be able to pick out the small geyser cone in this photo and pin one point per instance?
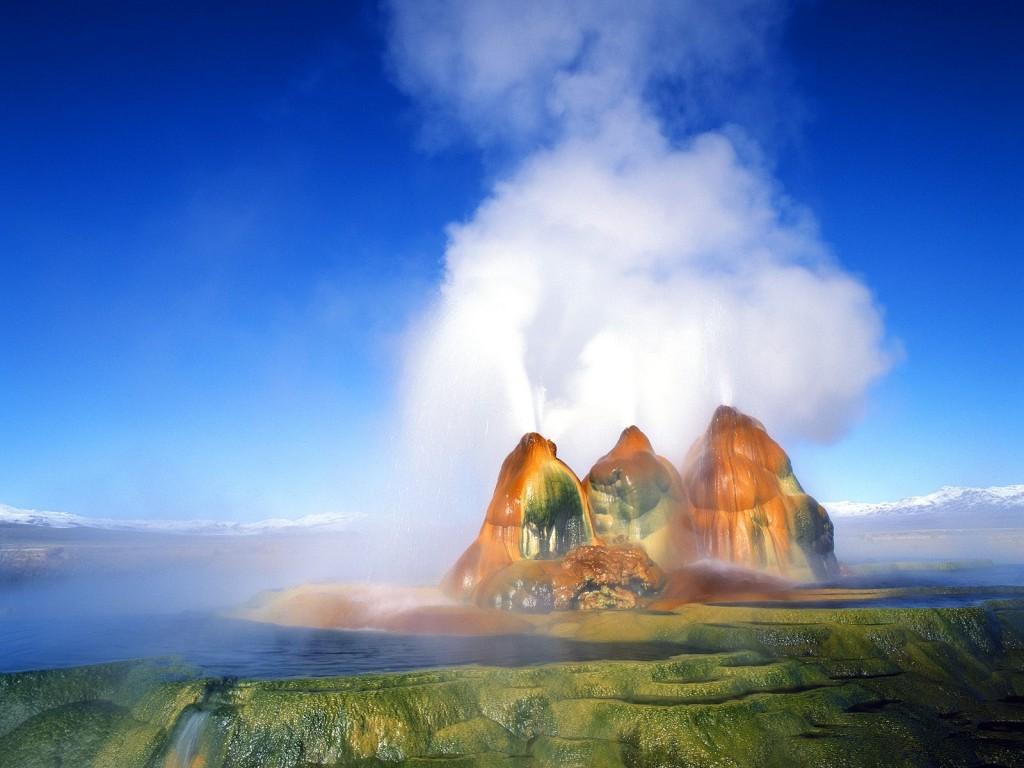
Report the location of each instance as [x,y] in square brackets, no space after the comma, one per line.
[748,506]
[637,496]
[538,511]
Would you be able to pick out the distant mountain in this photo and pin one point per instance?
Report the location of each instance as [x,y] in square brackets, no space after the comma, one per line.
[32,517]
[949,507]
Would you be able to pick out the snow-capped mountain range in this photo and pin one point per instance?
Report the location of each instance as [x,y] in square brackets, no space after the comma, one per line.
[323,522]
[948,507]
[1001,506]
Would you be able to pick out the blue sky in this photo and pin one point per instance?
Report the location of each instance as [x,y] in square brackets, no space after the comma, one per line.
[217,223]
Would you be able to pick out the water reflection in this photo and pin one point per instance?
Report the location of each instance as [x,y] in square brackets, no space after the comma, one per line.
[226,647]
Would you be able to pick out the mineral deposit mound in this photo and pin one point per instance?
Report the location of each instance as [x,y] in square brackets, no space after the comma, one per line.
[636,528]
[538,511]
[636,495]
[748,506]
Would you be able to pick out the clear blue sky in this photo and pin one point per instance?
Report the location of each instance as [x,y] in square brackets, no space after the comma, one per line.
[217,219]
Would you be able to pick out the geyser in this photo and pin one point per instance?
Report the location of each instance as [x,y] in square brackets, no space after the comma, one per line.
[623,268]
[735,524]
[550,542]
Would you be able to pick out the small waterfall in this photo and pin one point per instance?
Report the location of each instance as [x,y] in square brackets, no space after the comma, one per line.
[185,748]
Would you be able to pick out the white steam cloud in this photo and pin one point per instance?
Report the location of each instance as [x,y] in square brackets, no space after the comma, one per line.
[618,274]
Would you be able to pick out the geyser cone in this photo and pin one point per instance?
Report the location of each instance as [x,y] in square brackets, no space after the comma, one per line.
[748,506]
[637,496]
[538,511]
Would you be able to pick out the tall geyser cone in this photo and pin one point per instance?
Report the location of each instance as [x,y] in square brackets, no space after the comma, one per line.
[538,511]
[747,505]
[637,496]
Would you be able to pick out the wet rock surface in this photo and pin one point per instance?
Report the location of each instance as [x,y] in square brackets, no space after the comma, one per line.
[637,496]
[537,511]
[737,501]
[588,578]
[747,505]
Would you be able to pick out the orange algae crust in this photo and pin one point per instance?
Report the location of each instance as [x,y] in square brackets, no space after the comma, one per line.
[406,610]
[588,578]
[537,511]
[688,594]
[747,505]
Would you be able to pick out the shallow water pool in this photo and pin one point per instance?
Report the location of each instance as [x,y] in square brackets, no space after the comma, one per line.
[227,647]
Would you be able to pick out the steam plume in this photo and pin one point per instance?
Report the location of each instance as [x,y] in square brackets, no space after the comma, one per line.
[623,271]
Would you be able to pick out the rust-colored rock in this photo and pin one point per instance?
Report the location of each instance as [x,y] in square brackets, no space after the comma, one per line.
[589,577]
[538,512]
[747,505]
[636,496]
[710,581]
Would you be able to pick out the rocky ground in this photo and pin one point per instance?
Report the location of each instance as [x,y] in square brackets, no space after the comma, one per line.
[750,687]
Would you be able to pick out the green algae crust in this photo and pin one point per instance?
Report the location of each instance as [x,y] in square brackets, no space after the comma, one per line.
[749,687]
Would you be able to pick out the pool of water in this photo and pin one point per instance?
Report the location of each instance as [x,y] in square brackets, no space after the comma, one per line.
[226,647]
[54,625]
[924,598]
[967,577]
[919,586]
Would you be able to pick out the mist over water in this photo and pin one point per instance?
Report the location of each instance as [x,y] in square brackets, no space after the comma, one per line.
[63,572]
[96,617]
[104,596]
[113,595]
[84,596]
